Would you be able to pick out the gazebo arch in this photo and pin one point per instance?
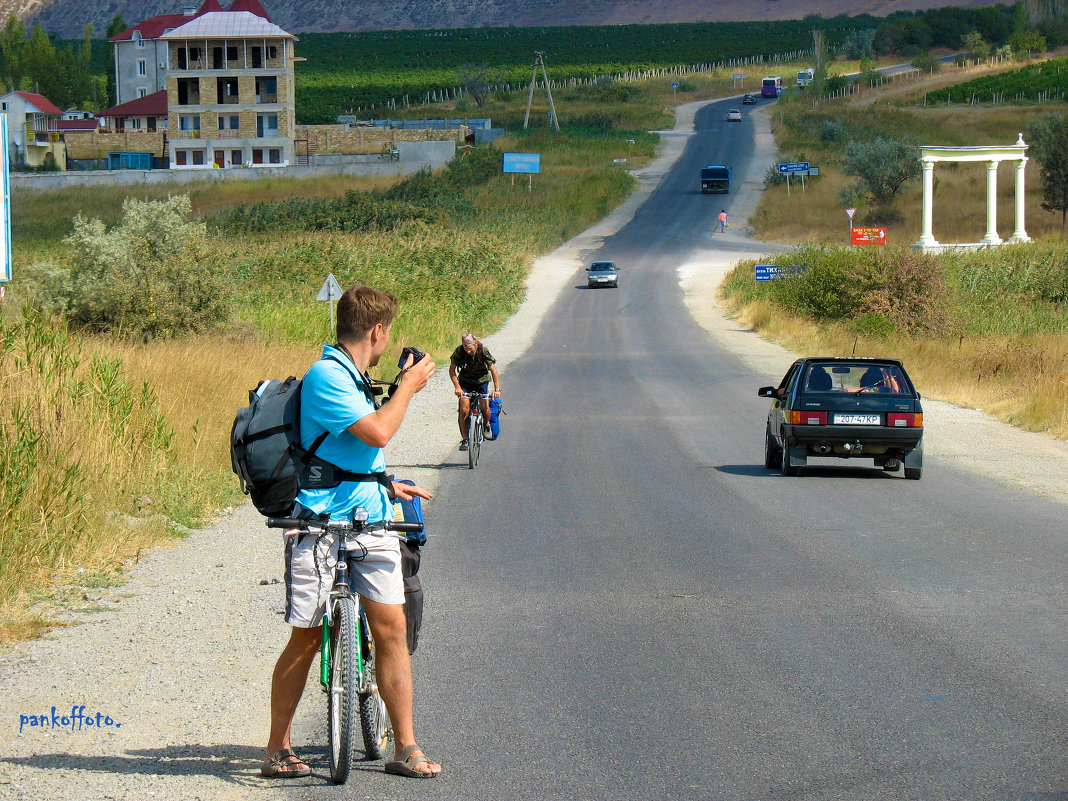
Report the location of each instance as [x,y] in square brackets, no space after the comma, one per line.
[930,155]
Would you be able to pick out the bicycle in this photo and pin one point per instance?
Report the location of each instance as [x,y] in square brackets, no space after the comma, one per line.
[476,427]
[347,658]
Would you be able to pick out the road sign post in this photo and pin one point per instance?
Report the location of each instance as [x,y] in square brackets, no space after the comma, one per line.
[330,292]
[851,212]
[674,92]
[792,167]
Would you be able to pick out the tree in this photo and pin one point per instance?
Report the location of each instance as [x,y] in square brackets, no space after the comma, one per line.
[1048,138]
[39,61]
[882,167]
[479,81]
[116,26]
[1024,43]
[857,44]
[976,46]
[12,43]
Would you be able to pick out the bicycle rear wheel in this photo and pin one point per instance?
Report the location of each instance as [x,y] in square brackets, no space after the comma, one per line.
[342,694]
[374,720]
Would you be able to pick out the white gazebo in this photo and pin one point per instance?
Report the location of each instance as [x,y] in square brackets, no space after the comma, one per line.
[993,156]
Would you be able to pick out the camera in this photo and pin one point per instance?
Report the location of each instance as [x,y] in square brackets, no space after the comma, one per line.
[415,353]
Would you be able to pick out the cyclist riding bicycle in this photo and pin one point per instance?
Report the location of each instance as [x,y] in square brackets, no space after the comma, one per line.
[337,402]
[470,369]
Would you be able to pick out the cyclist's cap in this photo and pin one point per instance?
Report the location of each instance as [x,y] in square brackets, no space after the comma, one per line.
[468,339]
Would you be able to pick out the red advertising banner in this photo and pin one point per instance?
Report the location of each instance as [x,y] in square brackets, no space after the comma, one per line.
[867,236]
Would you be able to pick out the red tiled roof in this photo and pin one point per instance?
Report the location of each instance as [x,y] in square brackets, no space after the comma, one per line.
[77,125]
[252,6]
[41,102]
[153,105]
[156,26]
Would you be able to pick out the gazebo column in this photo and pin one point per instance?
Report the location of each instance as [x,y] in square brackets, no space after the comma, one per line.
[1019,234]
[991,237]
[927,234]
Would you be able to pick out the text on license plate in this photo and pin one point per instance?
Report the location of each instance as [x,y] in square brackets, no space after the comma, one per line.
[857,419]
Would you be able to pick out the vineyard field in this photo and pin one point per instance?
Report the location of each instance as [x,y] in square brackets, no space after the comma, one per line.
[1029,84]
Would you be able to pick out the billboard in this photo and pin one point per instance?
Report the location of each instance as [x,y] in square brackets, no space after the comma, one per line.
[522,163]
[867,236]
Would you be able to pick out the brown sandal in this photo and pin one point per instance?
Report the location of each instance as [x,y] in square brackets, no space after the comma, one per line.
[405,765]
[283,764]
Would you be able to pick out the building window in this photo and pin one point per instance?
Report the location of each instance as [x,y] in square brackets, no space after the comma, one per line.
[188,91]
[198,157]
[189,57]
[151,124]
[135,123]
[227,90]
[257,155]
[272,52]
[142,67]
[231,53]
[137,38]
[267,89]
[237,157]
[141,91]
[5,107]
[266,125]
[257,57]
[190,126]
[180,157]
[275,155]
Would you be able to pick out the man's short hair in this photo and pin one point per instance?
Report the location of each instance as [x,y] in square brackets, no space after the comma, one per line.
[360,309]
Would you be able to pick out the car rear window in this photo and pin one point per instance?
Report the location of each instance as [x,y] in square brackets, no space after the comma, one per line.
[856,378]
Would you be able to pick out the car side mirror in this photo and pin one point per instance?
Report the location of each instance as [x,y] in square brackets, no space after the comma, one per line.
[588,269]
[766,392]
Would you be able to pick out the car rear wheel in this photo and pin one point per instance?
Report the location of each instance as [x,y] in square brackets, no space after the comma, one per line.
[772,455]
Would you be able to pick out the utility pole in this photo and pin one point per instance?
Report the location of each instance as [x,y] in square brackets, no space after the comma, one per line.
[539,61]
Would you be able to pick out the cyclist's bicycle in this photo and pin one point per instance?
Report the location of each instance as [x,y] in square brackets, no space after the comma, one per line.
[476,427]
[347,660]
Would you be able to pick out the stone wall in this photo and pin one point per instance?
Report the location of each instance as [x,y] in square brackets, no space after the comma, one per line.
[343,139]
[95,145]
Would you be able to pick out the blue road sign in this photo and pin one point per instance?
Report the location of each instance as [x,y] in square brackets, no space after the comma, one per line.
[794,166]
[773,272]
[674,86]
[522,162]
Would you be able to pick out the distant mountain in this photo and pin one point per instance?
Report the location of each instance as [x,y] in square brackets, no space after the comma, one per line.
[67,18]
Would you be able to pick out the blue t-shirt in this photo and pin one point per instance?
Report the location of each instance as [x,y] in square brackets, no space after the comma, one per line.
[330,400]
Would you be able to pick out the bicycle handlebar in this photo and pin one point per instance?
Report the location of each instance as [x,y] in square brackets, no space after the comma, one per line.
[338,525]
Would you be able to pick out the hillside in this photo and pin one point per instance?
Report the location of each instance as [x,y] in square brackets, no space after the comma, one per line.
[66,18]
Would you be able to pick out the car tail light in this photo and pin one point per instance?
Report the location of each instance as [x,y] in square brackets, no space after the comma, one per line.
[808,418]
[910,420]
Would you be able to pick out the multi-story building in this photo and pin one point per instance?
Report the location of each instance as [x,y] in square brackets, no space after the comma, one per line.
[230,96]
[141,56]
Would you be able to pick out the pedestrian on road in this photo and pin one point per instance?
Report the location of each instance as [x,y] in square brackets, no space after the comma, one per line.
[722,220]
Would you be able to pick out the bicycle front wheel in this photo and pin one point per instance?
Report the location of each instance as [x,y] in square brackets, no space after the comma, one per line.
[476,443]
[343,691]
[374,721]
[472,441]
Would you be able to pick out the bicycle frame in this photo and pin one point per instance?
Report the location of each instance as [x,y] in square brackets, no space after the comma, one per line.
[343,589]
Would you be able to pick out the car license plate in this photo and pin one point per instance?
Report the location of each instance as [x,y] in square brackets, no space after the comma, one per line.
[857,419]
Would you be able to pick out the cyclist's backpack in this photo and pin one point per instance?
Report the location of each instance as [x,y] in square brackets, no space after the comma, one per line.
[496,410]
[266,454]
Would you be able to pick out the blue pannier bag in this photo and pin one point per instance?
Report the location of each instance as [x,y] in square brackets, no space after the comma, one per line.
[496,410]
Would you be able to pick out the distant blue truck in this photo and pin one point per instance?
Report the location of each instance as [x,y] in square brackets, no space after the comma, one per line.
[715,178]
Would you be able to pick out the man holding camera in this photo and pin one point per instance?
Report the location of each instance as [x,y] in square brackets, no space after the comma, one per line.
[470,369]
[336,399]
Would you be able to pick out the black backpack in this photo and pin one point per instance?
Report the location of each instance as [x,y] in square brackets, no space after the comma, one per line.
[266,454]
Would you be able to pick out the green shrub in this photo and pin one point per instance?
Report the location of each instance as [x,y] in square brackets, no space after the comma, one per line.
[150,275]
[833,131]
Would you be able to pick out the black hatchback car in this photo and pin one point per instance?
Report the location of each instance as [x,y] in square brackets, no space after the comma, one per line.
[845,408]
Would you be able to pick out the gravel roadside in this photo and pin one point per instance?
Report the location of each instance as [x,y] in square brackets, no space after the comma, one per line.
[177,660]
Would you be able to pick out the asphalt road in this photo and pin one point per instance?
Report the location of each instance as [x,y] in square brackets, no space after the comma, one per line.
[622,603]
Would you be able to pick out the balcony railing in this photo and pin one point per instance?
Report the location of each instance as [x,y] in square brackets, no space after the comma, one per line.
[187,134]
[229,134]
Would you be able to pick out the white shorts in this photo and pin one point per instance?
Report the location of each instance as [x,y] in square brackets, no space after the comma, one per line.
[310,573]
